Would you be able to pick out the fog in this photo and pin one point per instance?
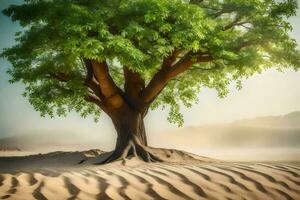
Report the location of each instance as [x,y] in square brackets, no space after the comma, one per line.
[258,139]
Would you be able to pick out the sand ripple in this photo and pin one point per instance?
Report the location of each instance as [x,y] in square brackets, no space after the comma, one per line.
[223,180]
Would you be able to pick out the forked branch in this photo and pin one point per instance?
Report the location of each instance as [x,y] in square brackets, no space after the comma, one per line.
[164,75]
[108,88]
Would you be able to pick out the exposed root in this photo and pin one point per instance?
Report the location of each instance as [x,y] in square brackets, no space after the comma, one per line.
[133,149]
[82,161]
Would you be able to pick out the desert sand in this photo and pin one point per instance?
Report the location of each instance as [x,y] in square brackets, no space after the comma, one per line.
[59,176]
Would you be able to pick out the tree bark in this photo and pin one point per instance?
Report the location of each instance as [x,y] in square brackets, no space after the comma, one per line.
[129,126]
[131,138]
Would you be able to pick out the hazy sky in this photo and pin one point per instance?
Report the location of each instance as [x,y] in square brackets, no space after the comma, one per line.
[269,93]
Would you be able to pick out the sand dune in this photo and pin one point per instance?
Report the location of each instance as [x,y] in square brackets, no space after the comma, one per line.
[205,179]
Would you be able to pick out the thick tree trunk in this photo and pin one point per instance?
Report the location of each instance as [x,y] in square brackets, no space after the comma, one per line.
[129,127]
[131,138]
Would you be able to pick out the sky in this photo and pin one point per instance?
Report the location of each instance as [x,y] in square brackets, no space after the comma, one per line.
[269,93]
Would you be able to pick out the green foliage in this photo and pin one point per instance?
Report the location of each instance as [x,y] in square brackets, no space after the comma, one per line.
[243,37]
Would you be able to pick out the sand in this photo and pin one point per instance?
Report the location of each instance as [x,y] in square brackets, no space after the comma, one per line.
[59,176]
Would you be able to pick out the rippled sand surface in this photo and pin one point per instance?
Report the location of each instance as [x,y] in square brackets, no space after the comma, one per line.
[203,180]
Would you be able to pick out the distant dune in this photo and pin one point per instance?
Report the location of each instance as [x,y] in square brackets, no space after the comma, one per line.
[280,131]
[262,138]
[9,148]
[288,121]
[224,141]
[236,135]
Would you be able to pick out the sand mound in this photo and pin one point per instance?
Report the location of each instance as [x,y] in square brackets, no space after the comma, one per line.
[60,159]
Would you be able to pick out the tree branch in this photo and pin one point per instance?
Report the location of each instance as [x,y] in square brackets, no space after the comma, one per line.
[96,100]
[205,69]
[134,84]
[89,70]
[90,80]
[235,23]
[60,76]
[196,1]
[164,75]
[168,61]
[95,97]
[243,45]
[108,88]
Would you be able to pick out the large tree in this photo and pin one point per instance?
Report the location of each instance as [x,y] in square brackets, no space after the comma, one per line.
[126,56]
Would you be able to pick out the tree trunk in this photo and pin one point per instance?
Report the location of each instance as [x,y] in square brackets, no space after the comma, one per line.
[131,138]
[129,127]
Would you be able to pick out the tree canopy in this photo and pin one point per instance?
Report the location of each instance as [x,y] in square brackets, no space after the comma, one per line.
[170,49]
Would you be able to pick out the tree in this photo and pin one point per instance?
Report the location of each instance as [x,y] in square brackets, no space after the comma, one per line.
[124,57]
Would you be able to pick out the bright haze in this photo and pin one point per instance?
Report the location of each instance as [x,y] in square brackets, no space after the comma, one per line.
[211,126]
